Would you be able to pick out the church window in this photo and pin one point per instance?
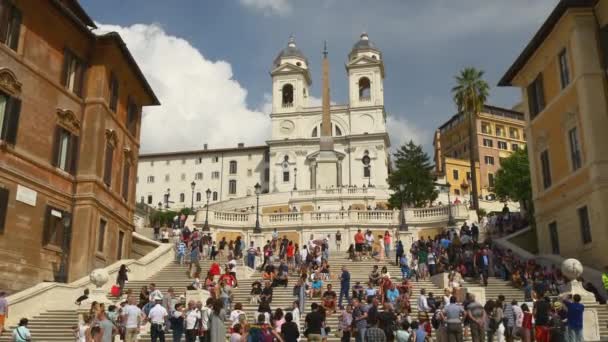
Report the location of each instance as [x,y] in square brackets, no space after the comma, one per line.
[215,195]
[287,95]
[315,132]
[233,167]
[182,197]
[286,176]
[366,171]
[364,89]
[198,196]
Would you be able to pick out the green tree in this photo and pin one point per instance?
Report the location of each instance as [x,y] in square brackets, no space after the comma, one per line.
[413,170]
[470,95]
[513,181]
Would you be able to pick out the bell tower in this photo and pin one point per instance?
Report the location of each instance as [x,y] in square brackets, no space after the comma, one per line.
[290,80]
[365,74]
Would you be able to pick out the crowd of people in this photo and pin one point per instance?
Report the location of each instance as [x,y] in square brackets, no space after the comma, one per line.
[379,310]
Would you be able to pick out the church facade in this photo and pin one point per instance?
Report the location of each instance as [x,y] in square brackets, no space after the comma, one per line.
[290,159]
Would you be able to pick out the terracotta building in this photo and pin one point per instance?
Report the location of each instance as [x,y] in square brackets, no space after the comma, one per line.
[562,76]
[70,112]
[498,132]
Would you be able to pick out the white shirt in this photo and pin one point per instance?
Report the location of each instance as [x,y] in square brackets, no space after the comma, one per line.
[82,332]
[21,334]
[158,314]
[153,294]
[369,238]
[191,318]
[132,313]
[232,263]
[303,253]
[296,317]
[205,313]
[423,305]
[234,316]
[519,316]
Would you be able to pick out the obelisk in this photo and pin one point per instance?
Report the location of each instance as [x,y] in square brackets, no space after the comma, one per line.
[327,142]
[327,162]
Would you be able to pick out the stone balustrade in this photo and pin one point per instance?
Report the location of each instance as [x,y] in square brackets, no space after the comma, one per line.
[413,216]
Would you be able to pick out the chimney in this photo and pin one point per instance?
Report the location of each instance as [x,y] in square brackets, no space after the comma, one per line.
[241,145]
[205,147]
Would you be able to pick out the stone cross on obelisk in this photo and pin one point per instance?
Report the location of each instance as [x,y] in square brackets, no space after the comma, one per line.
[327,142]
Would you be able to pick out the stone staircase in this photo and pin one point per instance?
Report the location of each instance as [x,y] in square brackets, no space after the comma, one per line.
[56,325]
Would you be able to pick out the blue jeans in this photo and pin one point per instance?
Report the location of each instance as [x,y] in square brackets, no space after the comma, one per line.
[250,260]
[177,334]
[360,335]
[574,335]
[343,293]
[387,251]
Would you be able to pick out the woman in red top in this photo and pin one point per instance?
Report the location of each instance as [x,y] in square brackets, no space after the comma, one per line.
[387,244]
[526,326]
[290,255]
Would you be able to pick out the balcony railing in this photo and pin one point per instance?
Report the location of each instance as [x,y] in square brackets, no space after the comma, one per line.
[413,216]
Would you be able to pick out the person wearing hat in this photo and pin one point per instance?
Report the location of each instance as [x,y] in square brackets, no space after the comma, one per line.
[157,317]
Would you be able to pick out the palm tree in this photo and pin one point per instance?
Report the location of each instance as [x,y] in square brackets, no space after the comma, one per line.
[470,95]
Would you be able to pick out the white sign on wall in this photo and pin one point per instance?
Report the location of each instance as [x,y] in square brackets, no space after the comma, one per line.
[26,195]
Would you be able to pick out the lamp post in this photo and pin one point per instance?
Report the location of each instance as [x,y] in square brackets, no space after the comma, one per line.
[192,185]
[451,222]
[206,226]
[62,276]
[258,189]
[167,194]
[295,178]
[403,226]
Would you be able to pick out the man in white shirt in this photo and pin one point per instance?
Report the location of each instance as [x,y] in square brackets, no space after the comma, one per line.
[133,317]
[304,254]
[157,317]
[193,317]
[205,313]
[423,304]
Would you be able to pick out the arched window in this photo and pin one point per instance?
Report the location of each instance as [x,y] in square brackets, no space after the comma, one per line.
[315,132]
[215,195]
[338,131]
[287,92]
[182,197]
[149,199]
[233,167]
[198,196]
[285,166]
[364,89]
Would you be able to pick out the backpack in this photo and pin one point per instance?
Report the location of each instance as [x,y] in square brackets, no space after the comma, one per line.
[259,335]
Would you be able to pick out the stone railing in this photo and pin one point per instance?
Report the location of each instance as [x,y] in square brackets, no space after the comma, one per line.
[414,216]
[334,192]
[59,296]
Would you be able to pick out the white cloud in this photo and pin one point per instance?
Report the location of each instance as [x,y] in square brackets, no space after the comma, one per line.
[268,7]
[401,131]
[200,100]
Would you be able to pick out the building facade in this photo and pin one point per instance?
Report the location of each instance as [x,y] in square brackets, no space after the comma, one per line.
[498,132]
[227,173]
[286,162]
[562,75]
[70,116]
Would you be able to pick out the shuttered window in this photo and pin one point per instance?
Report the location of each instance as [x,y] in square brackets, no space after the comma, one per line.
[10,24]
[65,150]
[583,216]
[125,181]
[53,227]
[113,92]
[101,235]
[132,115]
[10,110]
[3,208]
[72,76]
[121,242]
[107,173]
[545,168]
[536,96]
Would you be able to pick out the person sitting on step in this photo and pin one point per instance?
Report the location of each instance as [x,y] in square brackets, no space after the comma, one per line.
[317,286]
[358,291]
[329,300]
[374,276]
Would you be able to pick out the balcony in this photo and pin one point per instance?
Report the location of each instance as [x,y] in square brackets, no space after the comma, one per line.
[287,105]
[374,218]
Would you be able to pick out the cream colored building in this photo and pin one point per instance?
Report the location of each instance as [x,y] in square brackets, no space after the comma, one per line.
[562,75]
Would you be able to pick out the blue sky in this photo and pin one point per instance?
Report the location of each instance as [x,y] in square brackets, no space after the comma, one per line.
[209,60]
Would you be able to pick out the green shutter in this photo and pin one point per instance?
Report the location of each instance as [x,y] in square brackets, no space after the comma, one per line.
[3,208]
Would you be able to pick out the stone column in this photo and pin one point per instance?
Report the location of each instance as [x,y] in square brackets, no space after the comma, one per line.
[573,269]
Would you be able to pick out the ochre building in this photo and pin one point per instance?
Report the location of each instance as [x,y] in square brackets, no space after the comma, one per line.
[70,113]
[498,132]
[562,75]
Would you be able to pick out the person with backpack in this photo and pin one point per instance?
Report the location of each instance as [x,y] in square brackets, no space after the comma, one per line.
[262,332]
[454,313]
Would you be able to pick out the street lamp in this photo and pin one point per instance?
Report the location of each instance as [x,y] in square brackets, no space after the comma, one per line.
[66,220]
[167,194]
[192,185]
[451,222]
[295,178]
[258,190]
[403,226]
[206,226]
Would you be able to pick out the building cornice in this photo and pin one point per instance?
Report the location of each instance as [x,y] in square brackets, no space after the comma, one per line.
[161,155]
